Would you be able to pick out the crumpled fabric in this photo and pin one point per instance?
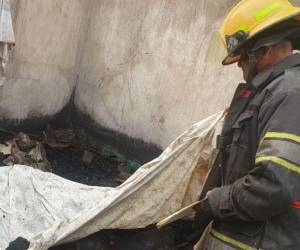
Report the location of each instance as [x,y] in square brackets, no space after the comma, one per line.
[48,210]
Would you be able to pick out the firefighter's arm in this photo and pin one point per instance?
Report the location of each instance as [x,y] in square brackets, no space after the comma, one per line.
[271,186]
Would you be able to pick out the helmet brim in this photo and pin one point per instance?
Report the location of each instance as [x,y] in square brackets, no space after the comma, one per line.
[282,17]
[231,59]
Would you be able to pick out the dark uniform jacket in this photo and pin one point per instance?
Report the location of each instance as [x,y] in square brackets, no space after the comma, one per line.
[257,205]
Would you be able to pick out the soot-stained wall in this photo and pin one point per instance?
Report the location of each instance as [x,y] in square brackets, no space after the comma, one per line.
[144,68]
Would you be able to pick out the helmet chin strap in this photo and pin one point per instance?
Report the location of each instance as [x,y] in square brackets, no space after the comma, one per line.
[252,67]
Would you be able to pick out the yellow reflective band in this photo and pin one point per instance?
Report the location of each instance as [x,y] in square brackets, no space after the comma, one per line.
[283,163]
[276,135]
[267,11]
[231,241]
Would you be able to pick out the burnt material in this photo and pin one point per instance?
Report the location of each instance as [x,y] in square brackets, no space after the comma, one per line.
[35,123]
[68,164]
[18,244]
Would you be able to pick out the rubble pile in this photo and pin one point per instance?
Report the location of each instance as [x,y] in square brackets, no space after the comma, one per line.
[25,151]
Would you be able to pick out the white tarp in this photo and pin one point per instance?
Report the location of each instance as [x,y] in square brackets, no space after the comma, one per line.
[48,210]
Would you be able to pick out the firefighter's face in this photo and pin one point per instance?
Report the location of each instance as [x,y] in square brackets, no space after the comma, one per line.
[262,58]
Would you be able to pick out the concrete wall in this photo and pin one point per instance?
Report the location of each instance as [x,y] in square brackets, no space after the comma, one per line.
[144,68]
[44,63]
[151,68]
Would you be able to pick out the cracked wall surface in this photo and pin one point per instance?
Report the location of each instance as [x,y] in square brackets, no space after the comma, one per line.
[144,68]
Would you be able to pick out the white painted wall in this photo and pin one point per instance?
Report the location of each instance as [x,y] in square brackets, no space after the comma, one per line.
[145,68]
[150,68]
[44,64]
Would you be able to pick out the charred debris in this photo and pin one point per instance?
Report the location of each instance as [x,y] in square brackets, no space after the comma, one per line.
[71,153]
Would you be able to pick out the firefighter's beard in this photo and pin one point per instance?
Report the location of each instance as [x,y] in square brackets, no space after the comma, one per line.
[249,71]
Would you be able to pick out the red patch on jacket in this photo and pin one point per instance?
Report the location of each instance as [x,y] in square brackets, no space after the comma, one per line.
[245,93]
[295,204]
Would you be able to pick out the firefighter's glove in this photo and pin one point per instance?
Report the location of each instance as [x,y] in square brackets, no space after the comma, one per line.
[220,202]
[203,216]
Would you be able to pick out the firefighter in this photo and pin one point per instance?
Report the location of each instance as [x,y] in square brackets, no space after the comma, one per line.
[254,201]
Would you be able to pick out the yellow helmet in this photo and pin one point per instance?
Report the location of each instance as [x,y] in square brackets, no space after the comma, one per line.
[250,19]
